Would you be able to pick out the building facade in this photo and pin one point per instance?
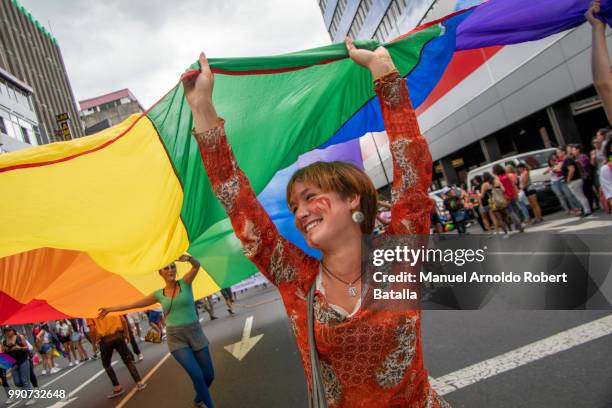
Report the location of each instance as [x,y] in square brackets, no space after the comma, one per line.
[18,122]
[108,110]
[31,54]
[490,103]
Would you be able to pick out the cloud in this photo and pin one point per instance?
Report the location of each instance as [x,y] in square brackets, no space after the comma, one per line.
[146,45]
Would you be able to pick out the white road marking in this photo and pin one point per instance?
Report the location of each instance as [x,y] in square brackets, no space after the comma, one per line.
[240,349]
[63,403]
[145,379]
[550,224]
[586,226]
[523,355]
[133,391]
[86,383]
[60,376]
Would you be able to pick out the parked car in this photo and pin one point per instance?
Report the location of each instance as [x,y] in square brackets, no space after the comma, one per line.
[537,161]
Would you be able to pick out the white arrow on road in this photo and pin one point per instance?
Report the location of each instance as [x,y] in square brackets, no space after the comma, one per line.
[240,349]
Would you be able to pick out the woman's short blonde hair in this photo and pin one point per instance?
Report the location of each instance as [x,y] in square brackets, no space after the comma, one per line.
[345,179]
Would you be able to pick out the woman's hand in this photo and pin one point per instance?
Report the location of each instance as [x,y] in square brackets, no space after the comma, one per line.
[103,311]
[199,88]
[198,92]
[590,14]
[184,258]
[379,61]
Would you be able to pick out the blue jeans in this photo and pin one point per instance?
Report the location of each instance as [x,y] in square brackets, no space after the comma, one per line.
[572,201]
[524,210]
[21,375]
[557,188]
[198,365]
[514,211]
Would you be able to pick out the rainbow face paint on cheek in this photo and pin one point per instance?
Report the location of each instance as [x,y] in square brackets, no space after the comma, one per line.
[319,205]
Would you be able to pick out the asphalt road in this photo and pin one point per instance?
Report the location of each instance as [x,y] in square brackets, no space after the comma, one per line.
[482,358]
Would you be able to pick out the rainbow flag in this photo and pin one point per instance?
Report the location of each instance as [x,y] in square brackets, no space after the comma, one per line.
[87,223]
[6,361]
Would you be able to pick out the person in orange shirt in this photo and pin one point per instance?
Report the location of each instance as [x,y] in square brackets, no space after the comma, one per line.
[111,333]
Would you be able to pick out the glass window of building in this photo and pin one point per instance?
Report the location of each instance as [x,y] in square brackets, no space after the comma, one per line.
[11,123]
[323,5]
[360,16]
[25,135]
[2,125]
[337,17]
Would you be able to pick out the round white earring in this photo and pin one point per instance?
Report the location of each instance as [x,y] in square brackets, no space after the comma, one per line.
[358,217]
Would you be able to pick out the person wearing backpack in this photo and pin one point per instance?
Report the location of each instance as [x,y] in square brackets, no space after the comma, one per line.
[493,195]
[510,191]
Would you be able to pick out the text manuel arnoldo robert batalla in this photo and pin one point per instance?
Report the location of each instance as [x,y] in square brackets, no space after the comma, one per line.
[405,256]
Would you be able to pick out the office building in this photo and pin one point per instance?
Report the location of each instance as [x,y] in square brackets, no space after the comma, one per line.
[490,103]
[108,110]
[31,54]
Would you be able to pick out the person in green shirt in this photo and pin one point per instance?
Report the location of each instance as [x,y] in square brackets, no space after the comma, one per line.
[186,340]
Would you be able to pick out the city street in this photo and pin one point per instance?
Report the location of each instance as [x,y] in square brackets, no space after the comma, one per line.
[154,153]
[475,358]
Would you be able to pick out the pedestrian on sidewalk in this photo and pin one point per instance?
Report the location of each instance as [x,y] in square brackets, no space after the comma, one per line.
[573,179]
[45,345]
[511,194]
[64,331]
[208,305]
[5,386]
[186,340]
[15,345]
[111,333]
[605,178]
[132,333]
[530,192]
[94,346]
[155,324]
[521,199]
[76,337]
[229,301]
[455,206]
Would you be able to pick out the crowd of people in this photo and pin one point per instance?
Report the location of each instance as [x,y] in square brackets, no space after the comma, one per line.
[48,342]
[506,198]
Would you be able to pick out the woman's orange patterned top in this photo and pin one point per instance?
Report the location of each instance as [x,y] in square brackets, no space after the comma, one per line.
[374,357]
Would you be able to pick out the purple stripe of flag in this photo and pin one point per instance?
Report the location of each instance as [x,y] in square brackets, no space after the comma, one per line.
[504,22]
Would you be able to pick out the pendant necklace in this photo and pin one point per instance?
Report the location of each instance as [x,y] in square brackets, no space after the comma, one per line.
[352,290]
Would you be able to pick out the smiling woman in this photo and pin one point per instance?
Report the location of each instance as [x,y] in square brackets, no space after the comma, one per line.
[186,340]
[353,356]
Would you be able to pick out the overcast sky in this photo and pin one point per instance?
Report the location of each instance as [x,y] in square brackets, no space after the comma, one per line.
[146,45]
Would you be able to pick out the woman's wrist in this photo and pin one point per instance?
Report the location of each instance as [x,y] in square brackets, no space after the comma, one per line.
[205,118]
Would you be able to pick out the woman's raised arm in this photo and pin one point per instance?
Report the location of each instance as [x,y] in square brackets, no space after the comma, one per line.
[600,60]
[273,255]
[411,157]
[144,302]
